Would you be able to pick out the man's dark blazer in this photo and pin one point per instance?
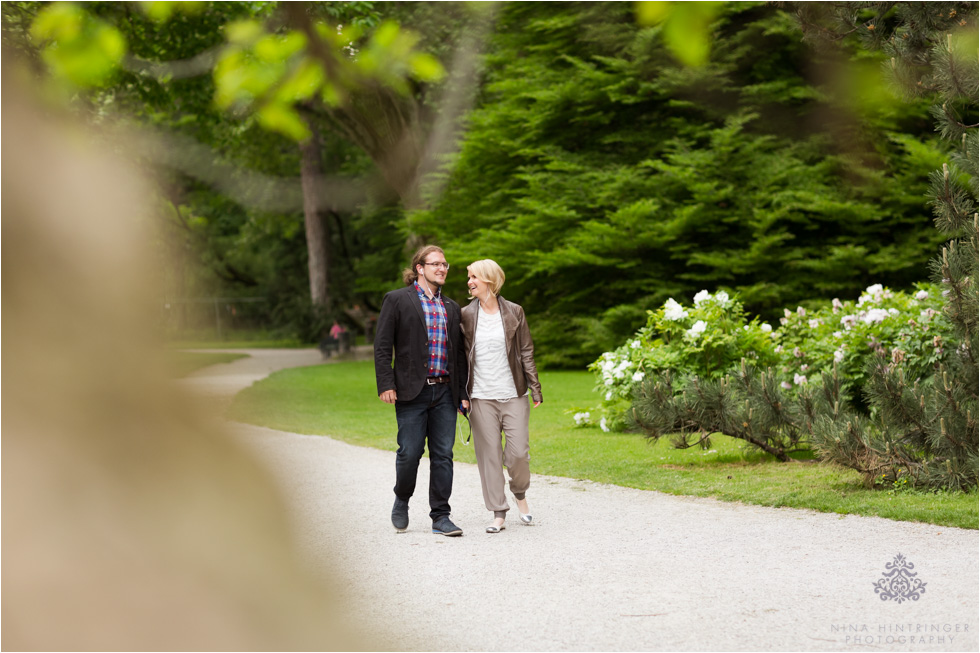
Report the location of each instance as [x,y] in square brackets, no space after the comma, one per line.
[401,331]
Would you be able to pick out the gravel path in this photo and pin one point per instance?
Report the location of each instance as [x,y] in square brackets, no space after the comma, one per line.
[604,567]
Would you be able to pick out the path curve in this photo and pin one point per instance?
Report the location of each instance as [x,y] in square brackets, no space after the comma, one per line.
[604,567]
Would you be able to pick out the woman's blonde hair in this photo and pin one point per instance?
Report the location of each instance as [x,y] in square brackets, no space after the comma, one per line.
[487,271]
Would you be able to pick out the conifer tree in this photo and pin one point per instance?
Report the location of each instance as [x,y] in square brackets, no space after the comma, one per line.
[606,176]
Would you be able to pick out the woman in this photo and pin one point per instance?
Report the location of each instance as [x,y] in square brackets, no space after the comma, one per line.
[501,370]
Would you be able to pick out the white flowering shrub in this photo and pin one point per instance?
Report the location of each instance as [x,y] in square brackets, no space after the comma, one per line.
[910,328]
[708,339]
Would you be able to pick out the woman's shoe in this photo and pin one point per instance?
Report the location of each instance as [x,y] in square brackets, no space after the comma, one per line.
[495,527]
[525,517]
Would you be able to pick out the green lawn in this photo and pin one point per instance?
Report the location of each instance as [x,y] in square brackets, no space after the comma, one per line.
[340,400]
[185,362]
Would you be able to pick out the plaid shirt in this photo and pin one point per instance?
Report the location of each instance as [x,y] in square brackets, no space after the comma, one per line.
[435,323]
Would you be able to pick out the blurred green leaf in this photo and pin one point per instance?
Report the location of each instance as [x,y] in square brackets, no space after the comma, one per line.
[303,83]
[426,67]
[331,94]
[283,118]
[270,71]
[244,32]
[687,31]
[964,43]
[162,10]
[686,27]
[867,85]
[58,22]
[351,33]
[79,48]
[229,76]
[651,13]
[276,49]
[386,34]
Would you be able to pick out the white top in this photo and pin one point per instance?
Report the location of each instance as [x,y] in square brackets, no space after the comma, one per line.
[492,378]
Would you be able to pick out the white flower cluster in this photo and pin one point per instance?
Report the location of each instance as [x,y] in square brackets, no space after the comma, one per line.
[697,329]
[870,316]
[582,419]
[613,370]
[787,314]
[673,311]
[874,294]
[721,297]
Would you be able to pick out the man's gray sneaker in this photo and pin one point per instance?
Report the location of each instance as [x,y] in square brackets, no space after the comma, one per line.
[443,526]
[399,515]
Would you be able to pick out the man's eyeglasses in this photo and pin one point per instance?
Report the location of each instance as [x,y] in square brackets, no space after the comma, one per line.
[444,266]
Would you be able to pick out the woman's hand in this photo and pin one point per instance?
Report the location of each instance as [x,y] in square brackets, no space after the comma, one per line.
[537,403]
[466,406]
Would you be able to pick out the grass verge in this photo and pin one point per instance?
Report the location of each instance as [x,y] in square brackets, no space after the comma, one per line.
[340,400]
[185,362]
[282,343]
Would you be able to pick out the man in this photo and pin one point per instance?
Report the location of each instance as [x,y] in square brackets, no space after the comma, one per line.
[428,381]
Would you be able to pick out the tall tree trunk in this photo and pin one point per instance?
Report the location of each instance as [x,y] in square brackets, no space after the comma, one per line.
[315,218]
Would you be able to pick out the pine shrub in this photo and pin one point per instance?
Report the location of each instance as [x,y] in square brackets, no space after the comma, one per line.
[925,431]
[921,431]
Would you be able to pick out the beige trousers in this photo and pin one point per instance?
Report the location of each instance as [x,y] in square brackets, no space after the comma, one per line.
[488,418]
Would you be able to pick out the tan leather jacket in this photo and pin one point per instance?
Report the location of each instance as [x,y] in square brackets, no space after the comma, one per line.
[520,348]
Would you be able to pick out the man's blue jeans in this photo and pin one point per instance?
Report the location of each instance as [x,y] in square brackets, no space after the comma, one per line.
[430,416]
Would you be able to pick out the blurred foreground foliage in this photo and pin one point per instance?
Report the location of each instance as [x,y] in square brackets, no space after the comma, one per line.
[219,94]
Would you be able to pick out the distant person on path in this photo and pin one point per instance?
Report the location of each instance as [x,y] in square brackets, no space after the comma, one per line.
[421,329]
[337,334]
[500,355]
[336,331]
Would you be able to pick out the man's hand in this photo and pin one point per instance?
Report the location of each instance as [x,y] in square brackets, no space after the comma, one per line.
[466,406]
[388,396]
